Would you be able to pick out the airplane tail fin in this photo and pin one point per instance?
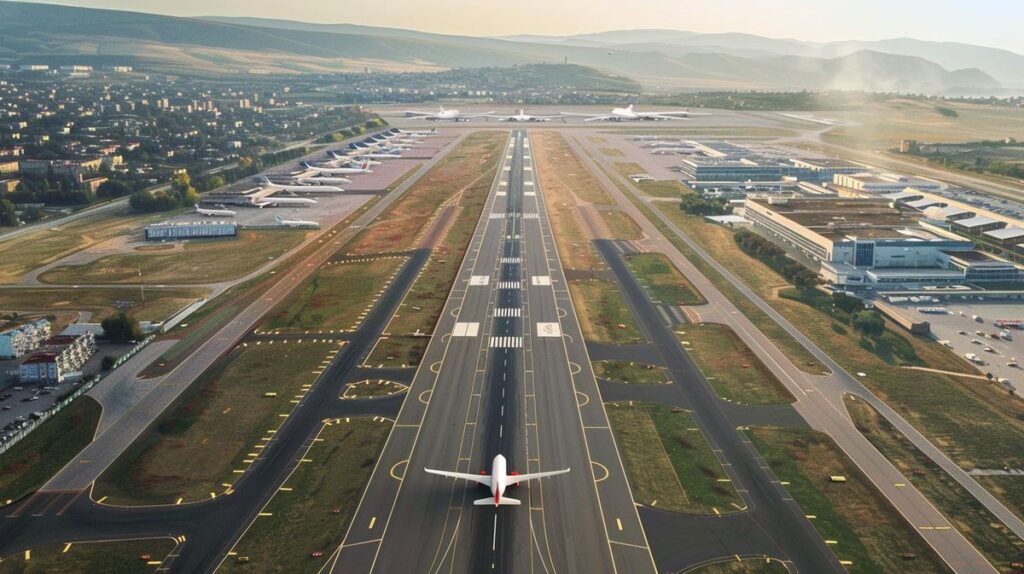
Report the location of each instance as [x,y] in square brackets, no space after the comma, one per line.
[277,218]
[489,501]
[630,108]
[305,164]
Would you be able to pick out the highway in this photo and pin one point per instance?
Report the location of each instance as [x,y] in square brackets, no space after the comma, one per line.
[506,372]
[819,398]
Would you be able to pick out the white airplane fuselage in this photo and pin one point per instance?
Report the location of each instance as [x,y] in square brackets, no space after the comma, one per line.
[499,478]
[215,212]
[323,180]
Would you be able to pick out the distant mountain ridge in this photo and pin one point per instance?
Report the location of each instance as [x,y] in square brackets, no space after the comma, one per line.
[658,59]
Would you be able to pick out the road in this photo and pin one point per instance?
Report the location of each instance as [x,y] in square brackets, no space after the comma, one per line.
[508,374]
[87,466]
[819,398]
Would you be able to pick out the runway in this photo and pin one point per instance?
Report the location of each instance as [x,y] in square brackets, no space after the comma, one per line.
[506,372]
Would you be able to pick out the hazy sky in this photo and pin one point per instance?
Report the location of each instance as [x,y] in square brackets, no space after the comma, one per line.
[986,22]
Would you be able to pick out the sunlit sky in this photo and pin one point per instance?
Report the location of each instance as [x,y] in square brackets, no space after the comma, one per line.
[985,22]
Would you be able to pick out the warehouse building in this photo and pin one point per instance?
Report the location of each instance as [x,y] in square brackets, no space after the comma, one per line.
[190,230]
[1005,237]
[871,241]
[22,339]
[976,225]
[884,183]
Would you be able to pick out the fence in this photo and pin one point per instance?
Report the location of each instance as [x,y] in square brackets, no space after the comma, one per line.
[66,400]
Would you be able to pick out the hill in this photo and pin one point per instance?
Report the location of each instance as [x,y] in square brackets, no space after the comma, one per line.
[658,59]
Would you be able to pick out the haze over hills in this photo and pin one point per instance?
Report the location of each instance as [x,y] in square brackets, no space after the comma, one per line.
[657,59]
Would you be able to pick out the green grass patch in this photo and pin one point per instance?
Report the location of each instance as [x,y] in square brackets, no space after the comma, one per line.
[36,458]
[996,542]
[200,261]
[663,281]
[160,304]
[630,372]
[314,514]
[333,298]
[602,312]
[398,351]
[669,463]
[731,367]
[865,529]
[621,225]
[114,557]
[194,448]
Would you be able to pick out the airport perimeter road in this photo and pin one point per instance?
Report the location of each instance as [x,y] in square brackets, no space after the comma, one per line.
[505,373]
[819,398]
[85,468]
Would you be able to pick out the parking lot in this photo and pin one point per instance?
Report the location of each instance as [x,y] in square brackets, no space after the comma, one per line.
[963,334]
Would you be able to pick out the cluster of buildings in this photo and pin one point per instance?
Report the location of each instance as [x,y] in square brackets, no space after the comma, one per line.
[855,225]
[47,358]
[17,341]
[58,356]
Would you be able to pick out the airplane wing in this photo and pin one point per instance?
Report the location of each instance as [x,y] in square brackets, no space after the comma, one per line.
[663,116]
[480,115]
[483,479]
[416,113]
[517,478]
[597,118]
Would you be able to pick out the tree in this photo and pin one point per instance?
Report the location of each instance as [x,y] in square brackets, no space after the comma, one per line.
[869,323]
[120,327]
[113,188]
[846,303]
[107,363]
[8,215]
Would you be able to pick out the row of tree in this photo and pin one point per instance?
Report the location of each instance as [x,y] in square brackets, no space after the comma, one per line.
[181,193]
[760,248]
[696,204]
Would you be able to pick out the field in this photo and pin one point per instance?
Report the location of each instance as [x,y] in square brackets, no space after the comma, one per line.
[206,261]
[861,525]
[997,543]
[114,557]
[195,448]
[335,297]
[663,281]
[659,188]
[160,304]
[621,225]
[731,367]
[670,465]
[630,372]
[600,307]
[469,164]
[604,316]
[883,125]
[321,497]
[37,248]
[35,459]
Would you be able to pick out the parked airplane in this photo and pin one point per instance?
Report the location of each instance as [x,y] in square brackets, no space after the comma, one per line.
[274,201]
[497,481]
[215,212]
[522,116]
[375,155]
[296,223]
[363,168]
[302,180]
[444,115]
[629,114]
[265,182]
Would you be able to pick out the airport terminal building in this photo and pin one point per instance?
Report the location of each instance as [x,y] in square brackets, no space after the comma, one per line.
[872,242]
[190,230]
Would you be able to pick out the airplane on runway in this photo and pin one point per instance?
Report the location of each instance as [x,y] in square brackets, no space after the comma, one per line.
[363,168]
[443,115]
[296,223]
[629,114]
[215,212]
[522,116]
[497,481]
[313,188]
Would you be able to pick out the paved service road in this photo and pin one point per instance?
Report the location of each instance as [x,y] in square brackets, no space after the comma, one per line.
[506,373]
